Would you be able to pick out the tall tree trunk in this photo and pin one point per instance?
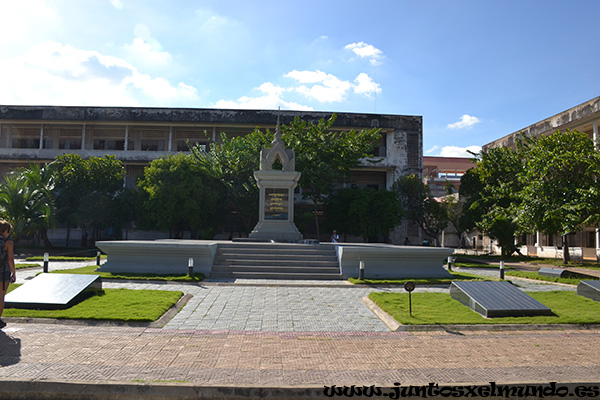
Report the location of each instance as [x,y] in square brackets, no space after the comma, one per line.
[44,236]
[316,219]
[566,255]
[68,234]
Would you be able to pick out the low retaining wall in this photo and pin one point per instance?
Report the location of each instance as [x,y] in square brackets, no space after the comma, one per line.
[168,256]
[387,261]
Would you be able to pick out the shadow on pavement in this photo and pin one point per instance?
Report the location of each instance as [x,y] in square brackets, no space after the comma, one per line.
[10,350]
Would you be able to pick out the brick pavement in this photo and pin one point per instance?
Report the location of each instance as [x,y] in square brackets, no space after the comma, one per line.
[265,359]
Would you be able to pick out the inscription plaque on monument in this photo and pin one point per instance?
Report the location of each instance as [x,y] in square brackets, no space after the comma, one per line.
[276,204]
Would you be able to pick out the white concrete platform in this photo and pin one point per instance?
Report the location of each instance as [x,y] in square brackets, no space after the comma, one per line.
[171,257]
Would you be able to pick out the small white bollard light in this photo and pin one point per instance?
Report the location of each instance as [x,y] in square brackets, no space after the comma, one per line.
[46,259]
[501,269]
[450,258]
[98,258]
[361,270]
[191,267]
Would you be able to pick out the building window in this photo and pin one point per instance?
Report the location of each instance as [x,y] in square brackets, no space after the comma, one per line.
[109,144]
[590,239]
[26,143]
[153,145]
[69,144]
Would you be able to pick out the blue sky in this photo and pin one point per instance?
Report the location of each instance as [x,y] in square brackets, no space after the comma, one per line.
[476,70]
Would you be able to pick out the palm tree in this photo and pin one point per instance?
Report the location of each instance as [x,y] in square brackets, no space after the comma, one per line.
[42,180]
[26,202]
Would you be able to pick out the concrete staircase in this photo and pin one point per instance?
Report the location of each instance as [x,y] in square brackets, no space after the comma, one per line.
[275,261]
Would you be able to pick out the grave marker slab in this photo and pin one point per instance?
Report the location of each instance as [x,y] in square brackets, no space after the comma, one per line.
[497,299]
[589,289]
[52,291]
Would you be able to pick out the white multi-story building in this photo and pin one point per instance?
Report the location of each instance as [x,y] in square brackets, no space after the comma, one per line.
[136,136]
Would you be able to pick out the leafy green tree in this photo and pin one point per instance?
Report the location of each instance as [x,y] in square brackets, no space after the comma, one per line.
[363,212]
[180,196]
[23,205]
[492,195]
[560,185]
[233,162]
[325,156]
[421,207]
[86,189]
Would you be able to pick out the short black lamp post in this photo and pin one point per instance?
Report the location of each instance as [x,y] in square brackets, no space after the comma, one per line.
[46,259]
[501,269]
[361,270]
[191,267]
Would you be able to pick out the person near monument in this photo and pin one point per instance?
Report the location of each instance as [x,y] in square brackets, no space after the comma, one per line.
[335,238]
[7,263]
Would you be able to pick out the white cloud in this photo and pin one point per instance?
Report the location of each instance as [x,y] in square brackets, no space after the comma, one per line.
[211,22]
[364,50]
[365,85]
[327,88]
[58,74]
[147,51]
[431,150]
[117,4]
[149,54]
[323,87]
[27,21]
[272,98]
[466,121]
[315,85]
[455,151]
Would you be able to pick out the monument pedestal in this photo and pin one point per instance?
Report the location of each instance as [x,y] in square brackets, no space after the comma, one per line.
[276,217]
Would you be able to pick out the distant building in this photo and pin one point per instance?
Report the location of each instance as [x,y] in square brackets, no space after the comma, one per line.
[136,136]
[438,172]
[584,117]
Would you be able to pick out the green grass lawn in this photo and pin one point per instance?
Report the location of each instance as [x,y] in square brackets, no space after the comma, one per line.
[91,270]
[457,276]
[480,265]
[441,309]
[536,276]
[110,304]
[529,260]
[26,265]
[62,258]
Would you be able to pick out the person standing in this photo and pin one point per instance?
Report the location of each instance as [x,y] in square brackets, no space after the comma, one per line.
[8,273]
[335,238]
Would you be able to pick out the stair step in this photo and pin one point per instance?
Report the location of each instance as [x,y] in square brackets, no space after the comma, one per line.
[266,275]
[266,268]
[275,261]
[280,262]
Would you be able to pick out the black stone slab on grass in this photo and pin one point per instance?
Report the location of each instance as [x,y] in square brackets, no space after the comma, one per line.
[497,299]
[53,291]
[589,289]
[563,273]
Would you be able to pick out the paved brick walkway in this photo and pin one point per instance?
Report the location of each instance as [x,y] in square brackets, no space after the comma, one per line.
[116,354]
